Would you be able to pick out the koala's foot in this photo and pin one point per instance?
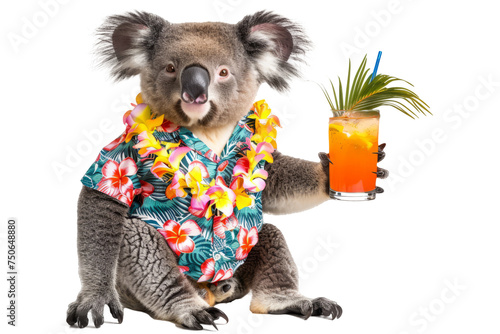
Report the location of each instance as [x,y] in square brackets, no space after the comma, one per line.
[273,277]
[325,307]
[228,290]
[195,317]
[295,305]
[85,302]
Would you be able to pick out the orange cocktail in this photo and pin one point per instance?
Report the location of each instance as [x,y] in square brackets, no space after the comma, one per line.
[353,151]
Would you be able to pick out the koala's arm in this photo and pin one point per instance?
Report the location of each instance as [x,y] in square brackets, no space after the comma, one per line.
[100,232]
[294,184]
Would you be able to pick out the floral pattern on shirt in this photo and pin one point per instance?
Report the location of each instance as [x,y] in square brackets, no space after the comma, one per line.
[207,207]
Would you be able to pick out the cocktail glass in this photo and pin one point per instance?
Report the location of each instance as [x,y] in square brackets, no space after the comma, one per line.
[353,152]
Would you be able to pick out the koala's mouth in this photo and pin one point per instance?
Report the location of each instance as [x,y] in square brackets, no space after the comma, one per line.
[200,113]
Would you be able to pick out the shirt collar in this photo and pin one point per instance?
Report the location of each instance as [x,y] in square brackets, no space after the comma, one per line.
[243,129]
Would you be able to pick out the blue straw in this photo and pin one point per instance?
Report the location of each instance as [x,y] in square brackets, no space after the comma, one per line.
[376,66]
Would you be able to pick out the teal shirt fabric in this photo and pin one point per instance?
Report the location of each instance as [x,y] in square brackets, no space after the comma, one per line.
[155,208]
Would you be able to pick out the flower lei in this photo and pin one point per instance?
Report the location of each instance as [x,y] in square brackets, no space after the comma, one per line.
[216,194]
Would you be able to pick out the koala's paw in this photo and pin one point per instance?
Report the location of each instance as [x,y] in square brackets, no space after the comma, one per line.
[195,318]
[298,305]
[78,310]
[224,291]
[326,307]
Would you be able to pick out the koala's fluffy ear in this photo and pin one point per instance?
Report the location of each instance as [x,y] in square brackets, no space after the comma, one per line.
[126,42]
[273,43]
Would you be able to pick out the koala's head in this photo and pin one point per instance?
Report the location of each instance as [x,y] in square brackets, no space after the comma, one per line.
[202,74]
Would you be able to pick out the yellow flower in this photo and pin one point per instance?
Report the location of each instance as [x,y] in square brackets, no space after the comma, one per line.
[256,153]
[194,178]
[265,123]
[243,199]
[140,120]
[176,186]
[147,144]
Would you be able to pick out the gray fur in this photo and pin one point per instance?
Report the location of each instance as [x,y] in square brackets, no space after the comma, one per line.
[100,233]
[122,38]
[272,276]
[126,262]
[288,42]
[150,281]
[294,184]
[144,44]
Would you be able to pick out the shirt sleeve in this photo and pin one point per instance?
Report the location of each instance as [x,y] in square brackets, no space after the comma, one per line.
[117,171]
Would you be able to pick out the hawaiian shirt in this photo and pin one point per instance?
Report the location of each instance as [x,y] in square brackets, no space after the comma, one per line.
[208,207]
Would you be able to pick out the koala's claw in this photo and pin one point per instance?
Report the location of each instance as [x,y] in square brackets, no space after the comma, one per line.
[324,158]
[204,317]
[116,311]
[71,318]
[216,313]
[382,173]
[78,311]
[381,153]
[326,307]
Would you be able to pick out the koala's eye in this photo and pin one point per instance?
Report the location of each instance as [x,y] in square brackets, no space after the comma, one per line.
[170,68]
[224,72]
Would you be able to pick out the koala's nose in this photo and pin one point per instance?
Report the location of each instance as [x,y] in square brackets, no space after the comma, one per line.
[194,82]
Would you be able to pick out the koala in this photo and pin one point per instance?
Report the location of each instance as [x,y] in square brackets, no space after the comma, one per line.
[203,77]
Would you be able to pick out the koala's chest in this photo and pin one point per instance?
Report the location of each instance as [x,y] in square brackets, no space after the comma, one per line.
[215,138]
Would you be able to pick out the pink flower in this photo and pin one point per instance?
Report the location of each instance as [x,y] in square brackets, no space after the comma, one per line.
[222,275]
[253,180]
[178,236]
[183,269]
[147,144]
[145,190]
[247,240]
[223,224]
[177,185]
[208,270]
[115,180]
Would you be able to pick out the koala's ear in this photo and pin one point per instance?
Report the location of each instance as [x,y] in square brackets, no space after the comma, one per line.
[273,44]
[126,42]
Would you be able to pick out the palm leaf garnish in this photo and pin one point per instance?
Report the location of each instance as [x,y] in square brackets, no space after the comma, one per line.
[364,94]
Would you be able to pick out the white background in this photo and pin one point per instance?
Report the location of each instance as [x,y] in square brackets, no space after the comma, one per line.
[389,263]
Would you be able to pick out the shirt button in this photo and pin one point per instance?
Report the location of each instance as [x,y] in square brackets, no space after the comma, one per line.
[217,257]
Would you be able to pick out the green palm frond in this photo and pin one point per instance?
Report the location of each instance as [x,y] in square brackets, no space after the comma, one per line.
[365,94]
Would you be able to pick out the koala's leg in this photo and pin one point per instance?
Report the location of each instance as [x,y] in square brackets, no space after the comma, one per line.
[273,277]
[100,231]
[294,184]
[149,280]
